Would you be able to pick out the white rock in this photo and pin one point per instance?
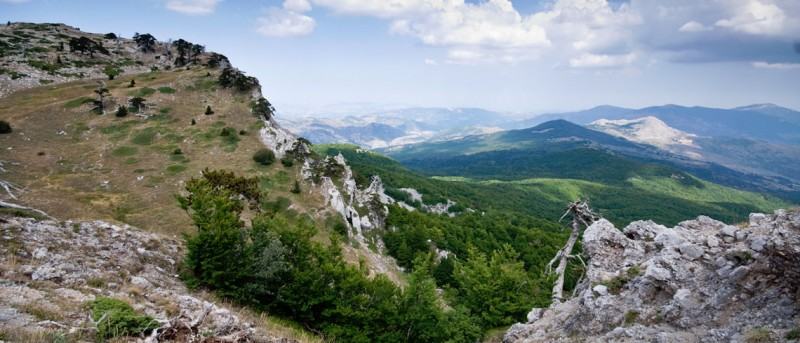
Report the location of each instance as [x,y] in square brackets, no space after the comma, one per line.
[600,290]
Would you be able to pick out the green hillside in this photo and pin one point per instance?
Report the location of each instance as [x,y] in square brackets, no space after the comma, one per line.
[621,190]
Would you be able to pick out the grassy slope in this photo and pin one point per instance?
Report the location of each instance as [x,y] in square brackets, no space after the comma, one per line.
[75,164]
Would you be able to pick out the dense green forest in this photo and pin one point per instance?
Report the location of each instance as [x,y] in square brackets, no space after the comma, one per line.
[273,264]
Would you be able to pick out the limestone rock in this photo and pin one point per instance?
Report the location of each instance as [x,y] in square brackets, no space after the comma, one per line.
[700,281]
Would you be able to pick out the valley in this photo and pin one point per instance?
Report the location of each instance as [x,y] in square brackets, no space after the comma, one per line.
[150,192]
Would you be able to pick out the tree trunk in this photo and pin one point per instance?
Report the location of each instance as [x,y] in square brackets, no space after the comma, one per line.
[558,287]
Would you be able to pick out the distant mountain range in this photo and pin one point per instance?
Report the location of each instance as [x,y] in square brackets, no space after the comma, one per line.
[399,127]
[562,149]
[755,147]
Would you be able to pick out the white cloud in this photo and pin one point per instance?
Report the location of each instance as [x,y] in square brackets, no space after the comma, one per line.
[693,26]
[193,7]
[584,33]
[781,66]
[494,31]
[284,22]
[431,62]
[756,17]
[298,6]
[588,60]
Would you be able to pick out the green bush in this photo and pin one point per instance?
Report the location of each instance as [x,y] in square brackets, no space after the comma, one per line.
[111,71]
[287,161]
[793,334]
[264,157]
[5,127]
[166,90]
[116,318]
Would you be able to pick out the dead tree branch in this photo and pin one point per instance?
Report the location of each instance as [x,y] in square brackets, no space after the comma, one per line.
[582,215]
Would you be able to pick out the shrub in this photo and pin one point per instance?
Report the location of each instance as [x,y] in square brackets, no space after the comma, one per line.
[119,319]
[111,71]
[166,90]
[177,151]
[616,284]
[209,111]
[122,111]
[287,161]
[5,127]
[194,122]
[132,84]
[264,157]
[227,131]
[110,35]
[793,334]
[630,317]
[296,187]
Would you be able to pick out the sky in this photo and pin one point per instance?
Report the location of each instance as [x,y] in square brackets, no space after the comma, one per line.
[523,56]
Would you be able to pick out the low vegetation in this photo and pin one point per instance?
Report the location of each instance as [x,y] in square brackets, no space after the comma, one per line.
[116,318]
[5,127]
[264,157]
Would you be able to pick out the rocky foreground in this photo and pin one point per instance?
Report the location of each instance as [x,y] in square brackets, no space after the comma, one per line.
[701,281]
[50,271]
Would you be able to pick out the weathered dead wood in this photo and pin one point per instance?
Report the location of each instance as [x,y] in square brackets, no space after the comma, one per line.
[582,215]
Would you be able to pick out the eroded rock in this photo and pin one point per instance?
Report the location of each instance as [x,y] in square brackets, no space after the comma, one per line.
[701,281]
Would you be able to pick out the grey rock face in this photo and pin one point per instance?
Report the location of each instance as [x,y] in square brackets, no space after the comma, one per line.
[701,281]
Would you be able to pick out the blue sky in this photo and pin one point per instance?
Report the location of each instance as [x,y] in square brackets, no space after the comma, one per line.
[523,56]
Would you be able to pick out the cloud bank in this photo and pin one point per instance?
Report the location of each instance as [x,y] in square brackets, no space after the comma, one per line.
[584,33]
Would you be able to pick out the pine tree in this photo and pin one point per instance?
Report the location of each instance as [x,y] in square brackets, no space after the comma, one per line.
[209,111]
[137,104]
[216,253]
[296,187]
[132,84]
[122,111]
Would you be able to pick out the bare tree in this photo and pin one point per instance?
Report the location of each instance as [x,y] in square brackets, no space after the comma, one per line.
[582,215]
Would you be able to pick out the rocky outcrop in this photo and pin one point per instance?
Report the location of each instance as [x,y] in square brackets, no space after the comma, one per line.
[362,209]
[276,138]
[701,281]
[41,54]
[50,270]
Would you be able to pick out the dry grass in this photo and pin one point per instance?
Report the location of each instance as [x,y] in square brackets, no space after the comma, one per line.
[19,335]
[124,169]
[273,326]
[42,312]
